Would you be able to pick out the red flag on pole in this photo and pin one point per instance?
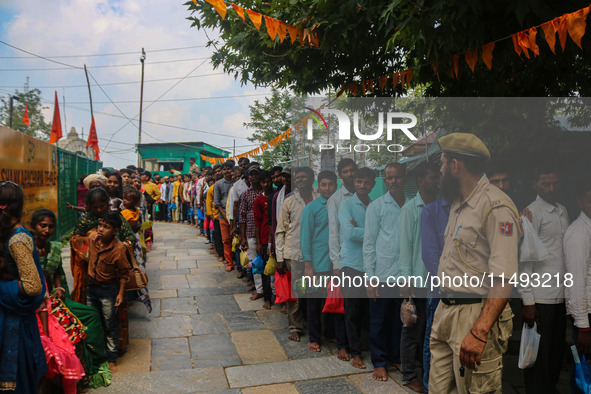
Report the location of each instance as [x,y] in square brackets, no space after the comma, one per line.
[26,116]
[56,125]
[93,140]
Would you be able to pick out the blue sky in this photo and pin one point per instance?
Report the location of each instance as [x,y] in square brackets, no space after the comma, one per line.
[81,28]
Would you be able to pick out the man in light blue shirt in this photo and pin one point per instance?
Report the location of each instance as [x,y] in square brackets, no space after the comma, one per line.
[352,220]
[315,253]
[411,264]
[380,259]
[346,169]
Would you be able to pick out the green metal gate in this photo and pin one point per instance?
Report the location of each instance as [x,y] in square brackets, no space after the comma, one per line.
[70,168]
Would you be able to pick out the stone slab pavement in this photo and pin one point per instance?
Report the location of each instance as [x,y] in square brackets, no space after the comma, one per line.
[205,335]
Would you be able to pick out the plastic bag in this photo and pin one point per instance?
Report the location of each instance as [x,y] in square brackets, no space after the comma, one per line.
[528,350]
[335,303]
[258,265]
[244,259]
[408,312]
[283,288]
[172,206]
[157,208]
[235,243]
[582,373]
[532,248]
[200,214]
[271,266]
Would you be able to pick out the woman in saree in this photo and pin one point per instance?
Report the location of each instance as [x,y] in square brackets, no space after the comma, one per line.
[81,322]
[22,289]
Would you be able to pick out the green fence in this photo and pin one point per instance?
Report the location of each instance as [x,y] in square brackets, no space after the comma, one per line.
[70,168]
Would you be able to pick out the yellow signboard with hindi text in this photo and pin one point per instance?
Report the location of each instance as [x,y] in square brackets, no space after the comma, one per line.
[32,164]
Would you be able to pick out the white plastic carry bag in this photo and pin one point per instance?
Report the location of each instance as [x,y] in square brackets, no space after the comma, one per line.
[528,350]
[532,248]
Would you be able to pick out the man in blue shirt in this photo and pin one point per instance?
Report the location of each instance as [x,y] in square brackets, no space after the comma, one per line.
[352,221]
[433,222]
[380,258]
[411,265]
[315,253]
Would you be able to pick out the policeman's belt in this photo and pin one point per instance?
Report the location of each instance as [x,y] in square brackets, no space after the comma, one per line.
[458,299]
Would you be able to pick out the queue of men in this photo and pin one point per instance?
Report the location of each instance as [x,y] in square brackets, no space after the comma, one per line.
[461,223]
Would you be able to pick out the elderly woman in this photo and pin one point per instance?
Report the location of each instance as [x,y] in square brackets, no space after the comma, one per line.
[92,181]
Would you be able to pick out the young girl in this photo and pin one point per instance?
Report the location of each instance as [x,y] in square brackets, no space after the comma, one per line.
[67,312]
[131,213]
[114,188]
[22,289]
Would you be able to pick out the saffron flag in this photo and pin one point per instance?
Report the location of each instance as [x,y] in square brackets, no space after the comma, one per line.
[56,125]
[26,116]
[93,140]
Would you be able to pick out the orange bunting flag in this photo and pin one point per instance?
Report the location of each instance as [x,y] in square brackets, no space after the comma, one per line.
[454,71]
[56,124]
[219,6]
[315,40]
[370,83]
[409,74]
[256,18]
[26,116]
[363,88]
[402,78]
[93,140]
[383,83]
[525,41]
[395,78]
[576,24]
[487,56]
[561,29]
[353,89]
[436,73]
[239,10]
[282,30]
[516,46]
[549,29]
[293,32]
[272,26]
[472,58]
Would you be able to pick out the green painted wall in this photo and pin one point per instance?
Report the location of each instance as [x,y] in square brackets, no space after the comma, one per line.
[180,152]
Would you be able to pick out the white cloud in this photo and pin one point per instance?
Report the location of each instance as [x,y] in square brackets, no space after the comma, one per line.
[81,27]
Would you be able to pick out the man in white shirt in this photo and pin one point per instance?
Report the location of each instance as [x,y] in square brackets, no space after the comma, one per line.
[545,305]
[577,253]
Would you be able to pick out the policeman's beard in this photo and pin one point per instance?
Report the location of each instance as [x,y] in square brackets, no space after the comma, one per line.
[450,187]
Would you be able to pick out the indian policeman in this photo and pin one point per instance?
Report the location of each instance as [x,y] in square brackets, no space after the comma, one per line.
[472,323]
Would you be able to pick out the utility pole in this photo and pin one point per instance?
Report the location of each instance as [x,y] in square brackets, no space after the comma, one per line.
[234,148]
[10,108]
[139,135]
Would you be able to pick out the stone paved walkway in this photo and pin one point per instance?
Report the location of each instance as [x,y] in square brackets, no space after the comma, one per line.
[205,335]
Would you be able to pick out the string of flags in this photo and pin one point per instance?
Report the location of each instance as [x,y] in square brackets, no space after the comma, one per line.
[264,147]
[524,42]
[275,27]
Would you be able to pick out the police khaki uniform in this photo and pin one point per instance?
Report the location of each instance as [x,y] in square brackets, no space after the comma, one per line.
[481,240]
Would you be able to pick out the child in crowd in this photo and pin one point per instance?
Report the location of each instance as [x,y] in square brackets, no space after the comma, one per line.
[131,213]
[108,271]
[114,187]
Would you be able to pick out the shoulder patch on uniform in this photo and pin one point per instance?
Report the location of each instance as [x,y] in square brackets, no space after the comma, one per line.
[497,203]
[506,228]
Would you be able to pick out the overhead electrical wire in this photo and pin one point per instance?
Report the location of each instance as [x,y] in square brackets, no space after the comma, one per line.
[101,54]
[103,66]
[176,99]
[109,84]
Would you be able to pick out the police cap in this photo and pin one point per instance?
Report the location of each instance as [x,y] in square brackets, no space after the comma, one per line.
[464,144]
